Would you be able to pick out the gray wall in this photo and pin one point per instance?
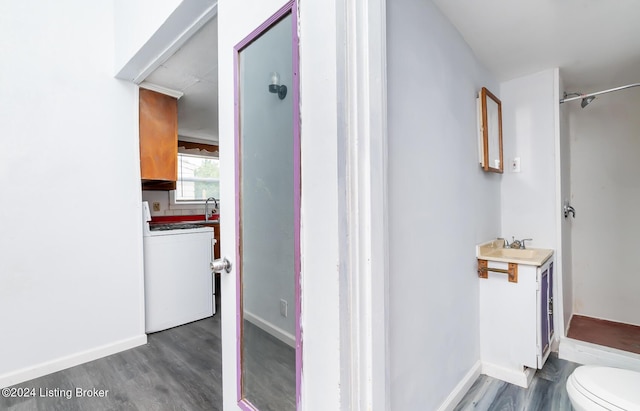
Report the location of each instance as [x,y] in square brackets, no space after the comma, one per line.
[440,204]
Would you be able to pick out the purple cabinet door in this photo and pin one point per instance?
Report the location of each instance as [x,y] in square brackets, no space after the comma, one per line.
[551,300]
[544,310]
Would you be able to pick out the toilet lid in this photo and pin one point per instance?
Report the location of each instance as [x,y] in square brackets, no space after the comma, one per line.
[611,385]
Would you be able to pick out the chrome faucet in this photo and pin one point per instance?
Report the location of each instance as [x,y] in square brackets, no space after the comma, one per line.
[206,207]
[506,242]
[519,244]
[523,240]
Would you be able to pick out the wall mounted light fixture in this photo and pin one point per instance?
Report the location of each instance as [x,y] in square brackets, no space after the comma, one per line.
[276,87]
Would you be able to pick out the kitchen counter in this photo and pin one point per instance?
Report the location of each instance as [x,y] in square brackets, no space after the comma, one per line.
[181,222]
[177,222]
[182,218]
[176,226]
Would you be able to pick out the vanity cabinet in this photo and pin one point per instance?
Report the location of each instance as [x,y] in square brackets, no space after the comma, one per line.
[516,321]
[158,122]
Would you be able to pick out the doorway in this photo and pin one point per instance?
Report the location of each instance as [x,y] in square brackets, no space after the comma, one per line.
[604,151]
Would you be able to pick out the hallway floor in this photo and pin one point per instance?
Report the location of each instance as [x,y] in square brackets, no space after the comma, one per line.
[611,334]
[178,369]
[545,393]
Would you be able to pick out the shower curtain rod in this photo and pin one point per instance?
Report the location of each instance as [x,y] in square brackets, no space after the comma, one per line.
[599,92]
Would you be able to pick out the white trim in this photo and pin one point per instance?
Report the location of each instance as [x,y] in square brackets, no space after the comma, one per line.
[198,152]
[26,374]
[197,136]
[461,389]
[583,352]
[558,291]
[271,329]
[166,41]
[363,88]
[162,90]
[520,378]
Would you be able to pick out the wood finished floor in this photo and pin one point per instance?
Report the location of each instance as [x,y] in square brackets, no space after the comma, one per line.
[545,393]
[611,334]
[178,369]
[270,383]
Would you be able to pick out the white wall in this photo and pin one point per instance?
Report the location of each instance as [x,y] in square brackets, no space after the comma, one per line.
[167,208]
[137,22]
[149,31]
[321,339]
[441,204]
[564,285]
[605,154]
[528,121]
[71,275]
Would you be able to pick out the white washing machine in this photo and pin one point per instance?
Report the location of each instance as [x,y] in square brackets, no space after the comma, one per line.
[178,282]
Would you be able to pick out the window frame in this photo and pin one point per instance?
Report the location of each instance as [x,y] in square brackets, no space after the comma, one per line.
[195,149]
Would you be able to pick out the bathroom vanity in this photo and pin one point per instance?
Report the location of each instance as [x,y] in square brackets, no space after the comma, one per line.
[516,310]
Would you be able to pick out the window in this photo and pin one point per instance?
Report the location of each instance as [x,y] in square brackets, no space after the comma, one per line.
[198,178]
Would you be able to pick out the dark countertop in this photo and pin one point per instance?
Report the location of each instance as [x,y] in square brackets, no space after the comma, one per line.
[173,226]
[181,225]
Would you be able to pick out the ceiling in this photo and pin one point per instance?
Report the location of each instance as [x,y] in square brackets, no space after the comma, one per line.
[595,43]
[193,70]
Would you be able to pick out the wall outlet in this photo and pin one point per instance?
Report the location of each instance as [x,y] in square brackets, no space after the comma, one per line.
[515,165]
[283,308]
[156,206]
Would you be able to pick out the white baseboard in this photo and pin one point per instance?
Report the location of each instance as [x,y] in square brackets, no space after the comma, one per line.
[461,389]
[583,352]
[516,377]
[271,329]
[26,374]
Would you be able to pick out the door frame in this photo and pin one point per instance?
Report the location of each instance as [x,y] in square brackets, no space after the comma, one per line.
[363,87]
[345,239]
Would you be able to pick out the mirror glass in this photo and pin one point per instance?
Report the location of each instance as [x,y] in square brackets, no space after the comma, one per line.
[268,233]
[492,131]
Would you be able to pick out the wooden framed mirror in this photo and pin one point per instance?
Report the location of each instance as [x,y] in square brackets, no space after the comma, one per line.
[490,119]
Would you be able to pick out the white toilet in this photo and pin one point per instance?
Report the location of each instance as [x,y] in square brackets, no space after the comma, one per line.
[604,388]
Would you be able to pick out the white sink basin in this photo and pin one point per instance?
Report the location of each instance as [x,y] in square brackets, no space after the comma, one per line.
[512,253]
[494,251]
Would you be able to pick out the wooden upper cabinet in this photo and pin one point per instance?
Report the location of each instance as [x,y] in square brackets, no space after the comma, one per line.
[158,136]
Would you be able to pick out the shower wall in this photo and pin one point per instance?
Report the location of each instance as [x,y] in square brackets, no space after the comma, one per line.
[605,190]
